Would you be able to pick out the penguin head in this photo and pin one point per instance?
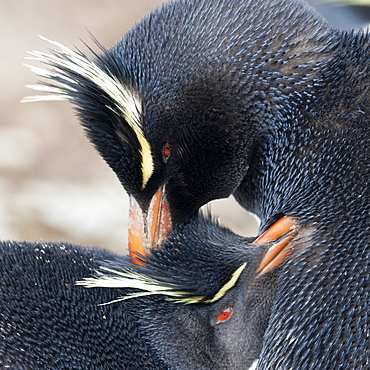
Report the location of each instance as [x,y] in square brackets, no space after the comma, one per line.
[200,299]
[178,137]
[178,106]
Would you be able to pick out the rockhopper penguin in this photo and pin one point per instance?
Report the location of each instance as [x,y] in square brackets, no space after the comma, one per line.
[260,99]
[201,302]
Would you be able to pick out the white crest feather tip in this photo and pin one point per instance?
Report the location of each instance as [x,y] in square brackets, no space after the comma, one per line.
[66,63]
[150,286]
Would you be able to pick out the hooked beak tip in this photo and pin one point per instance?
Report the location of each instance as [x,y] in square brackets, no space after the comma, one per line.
[281,233]
[147,230]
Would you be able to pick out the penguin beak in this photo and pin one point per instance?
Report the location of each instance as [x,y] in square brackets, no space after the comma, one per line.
[148,229]
[282,232]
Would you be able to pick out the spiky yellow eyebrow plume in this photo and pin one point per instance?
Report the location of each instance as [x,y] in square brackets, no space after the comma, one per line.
[125,101]
[225,288]
[150,286]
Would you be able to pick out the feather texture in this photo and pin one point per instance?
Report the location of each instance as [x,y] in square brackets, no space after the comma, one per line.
[150,286]
[69,68]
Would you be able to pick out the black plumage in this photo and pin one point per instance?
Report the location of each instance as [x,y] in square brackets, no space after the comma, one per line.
[49,322]
[266,101]
[46,322]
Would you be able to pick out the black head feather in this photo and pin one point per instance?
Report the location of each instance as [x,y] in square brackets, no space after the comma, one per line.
[198,263]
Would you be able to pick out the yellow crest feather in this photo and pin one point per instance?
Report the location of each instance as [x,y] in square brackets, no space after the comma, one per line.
[150,286]
[125,101]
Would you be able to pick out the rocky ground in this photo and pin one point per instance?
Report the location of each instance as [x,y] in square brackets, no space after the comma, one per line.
[53,185]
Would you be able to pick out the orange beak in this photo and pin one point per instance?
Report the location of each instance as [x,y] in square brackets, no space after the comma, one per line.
[282,232]
[147,230]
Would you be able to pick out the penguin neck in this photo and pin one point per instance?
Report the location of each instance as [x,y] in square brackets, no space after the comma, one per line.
[274,180]
[316,81]
[284,169]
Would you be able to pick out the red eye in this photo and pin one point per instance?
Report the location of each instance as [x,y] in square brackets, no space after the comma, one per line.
[166,151]
[224,315]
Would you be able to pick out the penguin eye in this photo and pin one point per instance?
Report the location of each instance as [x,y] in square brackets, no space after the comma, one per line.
[224,315]
[166,152]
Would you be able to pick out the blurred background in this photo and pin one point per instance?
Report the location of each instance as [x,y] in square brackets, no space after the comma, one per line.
[53,184]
